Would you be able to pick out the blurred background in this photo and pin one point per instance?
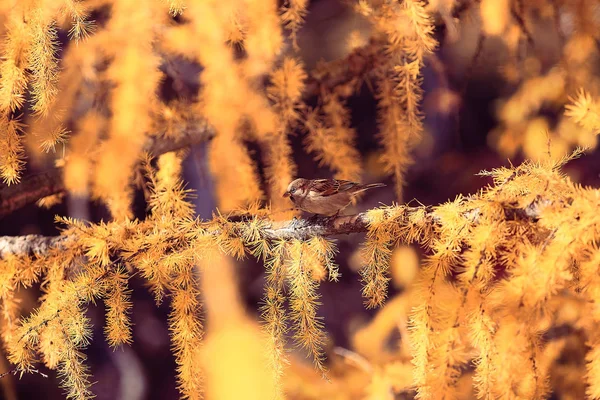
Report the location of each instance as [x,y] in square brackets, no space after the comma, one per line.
[489,101]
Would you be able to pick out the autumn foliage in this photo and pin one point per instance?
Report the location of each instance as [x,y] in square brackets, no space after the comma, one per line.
[95,92]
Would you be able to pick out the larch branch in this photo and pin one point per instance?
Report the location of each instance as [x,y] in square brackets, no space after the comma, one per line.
[34,245]
[299,229]
[37,186]
[302,229]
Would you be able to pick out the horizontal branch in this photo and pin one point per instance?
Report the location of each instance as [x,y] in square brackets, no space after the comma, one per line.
[295,229]
[33,245]
[302,229]
[37,186]
[299,229]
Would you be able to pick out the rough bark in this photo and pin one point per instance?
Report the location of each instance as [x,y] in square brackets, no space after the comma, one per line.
[34,245]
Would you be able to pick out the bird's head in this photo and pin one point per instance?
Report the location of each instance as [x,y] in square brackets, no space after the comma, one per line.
[295,188]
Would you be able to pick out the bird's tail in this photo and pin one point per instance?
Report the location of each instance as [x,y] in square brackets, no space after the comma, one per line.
[373,185]
[370,186]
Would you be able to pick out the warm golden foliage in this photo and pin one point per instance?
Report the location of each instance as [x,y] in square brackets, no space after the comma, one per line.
[408,32]
[503,270]
[136,45]
[518,254]
[332,141]
[585,111]
[544,84]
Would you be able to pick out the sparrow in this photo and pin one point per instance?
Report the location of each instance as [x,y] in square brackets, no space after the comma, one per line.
[325,196]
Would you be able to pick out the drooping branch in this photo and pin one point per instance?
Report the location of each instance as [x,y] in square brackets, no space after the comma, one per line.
[299,229]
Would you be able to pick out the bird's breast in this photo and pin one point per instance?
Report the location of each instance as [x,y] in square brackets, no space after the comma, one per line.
[324,205]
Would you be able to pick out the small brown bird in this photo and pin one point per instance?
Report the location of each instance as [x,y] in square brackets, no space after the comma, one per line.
[325,196]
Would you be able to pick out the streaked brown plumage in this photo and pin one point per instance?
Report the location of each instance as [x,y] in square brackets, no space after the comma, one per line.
[325,196]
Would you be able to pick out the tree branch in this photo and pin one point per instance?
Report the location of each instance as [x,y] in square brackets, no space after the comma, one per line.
[345,76]
[37,186]
[33,245]
[302,229]
[298,229]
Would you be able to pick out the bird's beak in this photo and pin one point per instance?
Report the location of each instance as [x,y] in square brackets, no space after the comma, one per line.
[286,194]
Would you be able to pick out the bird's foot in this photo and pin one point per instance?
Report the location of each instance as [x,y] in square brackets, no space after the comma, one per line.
[332,218]
[314,218]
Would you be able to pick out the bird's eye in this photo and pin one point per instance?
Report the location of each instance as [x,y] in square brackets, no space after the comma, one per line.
[293,190]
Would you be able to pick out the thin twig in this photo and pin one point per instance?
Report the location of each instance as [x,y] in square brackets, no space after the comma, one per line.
[516,13]
[15,371]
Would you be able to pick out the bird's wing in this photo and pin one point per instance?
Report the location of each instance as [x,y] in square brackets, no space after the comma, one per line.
[329,187]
